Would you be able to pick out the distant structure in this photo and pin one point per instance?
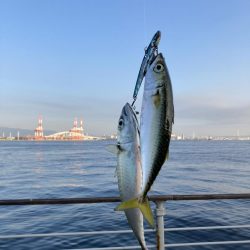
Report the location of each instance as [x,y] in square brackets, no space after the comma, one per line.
[74,134]
[39,130]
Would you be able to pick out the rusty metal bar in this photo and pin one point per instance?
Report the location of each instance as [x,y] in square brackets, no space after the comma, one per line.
[160,213]
[198,197]
[60,201]
[154,198]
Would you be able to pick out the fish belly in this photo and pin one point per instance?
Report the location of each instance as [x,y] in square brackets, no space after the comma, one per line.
[154,136]
[130,183]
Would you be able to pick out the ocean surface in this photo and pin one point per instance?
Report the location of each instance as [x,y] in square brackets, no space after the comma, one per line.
[86,169]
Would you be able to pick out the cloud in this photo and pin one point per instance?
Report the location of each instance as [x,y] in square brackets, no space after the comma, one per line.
[216,111]
[211,114]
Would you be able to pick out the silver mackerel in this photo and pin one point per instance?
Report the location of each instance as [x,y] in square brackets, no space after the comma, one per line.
[129,169]
[157,117]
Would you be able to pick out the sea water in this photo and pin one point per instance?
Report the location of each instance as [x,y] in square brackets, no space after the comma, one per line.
[85,169]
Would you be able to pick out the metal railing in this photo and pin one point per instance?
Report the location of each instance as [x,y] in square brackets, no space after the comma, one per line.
[159,200]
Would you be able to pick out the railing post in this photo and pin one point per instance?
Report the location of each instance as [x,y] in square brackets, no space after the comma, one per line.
[160,212]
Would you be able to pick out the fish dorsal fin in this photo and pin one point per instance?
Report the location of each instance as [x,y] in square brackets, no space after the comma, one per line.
[113,149]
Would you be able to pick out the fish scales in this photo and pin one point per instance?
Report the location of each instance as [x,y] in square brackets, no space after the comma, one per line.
[157,117]
[128,176]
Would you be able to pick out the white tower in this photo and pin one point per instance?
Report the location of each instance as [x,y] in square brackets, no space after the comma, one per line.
[81,127]
[39,129]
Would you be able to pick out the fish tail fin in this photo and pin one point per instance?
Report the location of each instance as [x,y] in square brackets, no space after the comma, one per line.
[146,210]
[143,205]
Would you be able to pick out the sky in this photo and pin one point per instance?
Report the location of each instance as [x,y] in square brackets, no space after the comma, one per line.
[66,59]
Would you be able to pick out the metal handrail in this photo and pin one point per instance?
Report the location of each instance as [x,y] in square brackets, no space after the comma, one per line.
[113,248]
[160,212]
[207,243]
[171,245]
[155,198]
[173,229]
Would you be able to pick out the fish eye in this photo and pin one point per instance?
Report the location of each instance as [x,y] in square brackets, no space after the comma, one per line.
[120,123]
[158,68]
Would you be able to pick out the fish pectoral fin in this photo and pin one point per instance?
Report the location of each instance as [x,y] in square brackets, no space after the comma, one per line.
[144,207]
[113,149]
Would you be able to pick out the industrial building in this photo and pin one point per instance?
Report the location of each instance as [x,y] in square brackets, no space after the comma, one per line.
[74,134]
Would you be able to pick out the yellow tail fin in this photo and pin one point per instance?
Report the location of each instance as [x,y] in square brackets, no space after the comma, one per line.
[144,206]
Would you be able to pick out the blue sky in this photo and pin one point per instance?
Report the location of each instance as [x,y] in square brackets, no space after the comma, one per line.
[67,59]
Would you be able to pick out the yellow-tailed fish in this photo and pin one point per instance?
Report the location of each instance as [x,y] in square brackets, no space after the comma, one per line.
[129,170]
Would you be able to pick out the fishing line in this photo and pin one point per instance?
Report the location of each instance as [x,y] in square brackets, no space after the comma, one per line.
[144,22]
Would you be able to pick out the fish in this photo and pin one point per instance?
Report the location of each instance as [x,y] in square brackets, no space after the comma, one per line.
[129,169]
[157,118]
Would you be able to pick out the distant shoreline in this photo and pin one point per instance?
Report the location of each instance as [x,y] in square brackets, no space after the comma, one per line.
[65,140]
[112,139]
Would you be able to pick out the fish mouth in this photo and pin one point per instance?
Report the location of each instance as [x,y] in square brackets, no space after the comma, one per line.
[132,111]
[129,110]
[157,59]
